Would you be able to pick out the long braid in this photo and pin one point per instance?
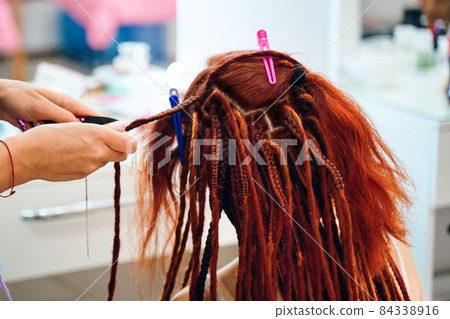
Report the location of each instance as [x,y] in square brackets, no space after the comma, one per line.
[179,255]
[308,259]
[391,283]
[385,290]
[192,213]
[401,283]
[197,222]
[245,252]
[177,248]
[304,216]
[293,123]
[200,289]
[287,232]
[313,209]
[199,233]
[399,279]
[274,229]
[182,106]
[283,220]
[254,197]
[348,257]
[276,187]
[215,205]
[238,200]
[116,245]
[196,228]
[330,264]
[264,207]
[257,225]
[327,222]
[299,239]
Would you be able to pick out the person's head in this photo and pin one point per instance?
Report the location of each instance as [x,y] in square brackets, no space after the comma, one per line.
[304,178]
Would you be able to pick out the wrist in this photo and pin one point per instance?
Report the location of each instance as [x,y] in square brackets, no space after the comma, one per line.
[6,171]
[2,99]
[22,158]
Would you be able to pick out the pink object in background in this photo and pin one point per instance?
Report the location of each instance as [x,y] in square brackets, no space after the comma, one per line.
[109,15]
[10,40]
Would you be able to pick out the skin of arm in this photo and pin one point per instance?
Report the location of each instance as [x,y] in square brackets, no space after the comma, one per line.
[5,171]
[415,285]
[54,152]
[62,152]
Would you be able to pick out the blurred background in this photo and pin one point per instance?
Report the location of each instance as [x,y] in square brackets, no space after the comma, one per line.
[121,58]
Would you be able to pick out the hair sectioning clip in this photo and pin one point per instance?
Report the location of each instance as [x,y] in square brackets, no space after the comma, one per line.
[264,45]
[298,77]
[174,101]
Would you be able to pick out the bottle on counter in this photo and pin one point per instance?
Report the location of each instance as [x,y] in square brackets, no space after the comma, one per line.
[448,87]
[424,45]
[448,60]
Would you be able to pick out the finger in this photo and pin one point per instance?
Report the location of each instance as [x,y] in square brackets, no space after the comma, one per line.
[120,142]
[114,156]
[67,102]
[28,125]
[47,110]
[118,126]
[13,121]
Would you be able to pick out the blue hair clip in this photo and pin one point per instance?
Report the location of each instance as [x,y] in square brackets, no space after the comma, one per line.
[174,101]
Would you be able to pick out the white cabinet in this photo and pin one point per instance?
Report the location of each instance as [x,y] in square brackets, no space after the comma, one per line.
[36,248]
[41,248]
[443,178]
[442,237]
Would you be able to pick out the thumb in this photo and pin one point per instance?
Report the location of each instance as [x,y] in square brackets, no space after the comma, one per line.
[120,142]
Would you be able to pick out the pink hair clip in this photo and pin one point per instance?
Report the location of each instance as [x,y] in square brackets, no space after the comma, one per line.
[264,45]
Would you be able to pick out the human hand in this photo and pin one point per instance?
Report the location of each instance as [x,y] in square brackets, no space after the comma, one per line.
[33,104]
[62,152]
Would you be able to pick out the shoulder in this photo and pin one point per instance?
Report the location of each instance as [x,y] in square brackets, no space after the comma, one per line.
[182,295]
[226,283]
[413,278]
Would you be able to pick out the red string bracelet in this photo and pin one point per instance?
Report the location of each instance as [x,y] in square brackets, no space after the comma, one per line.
[12,168]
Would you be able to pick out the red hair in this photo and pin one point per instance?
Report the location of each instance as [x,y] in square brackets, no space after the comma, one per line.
[316,231]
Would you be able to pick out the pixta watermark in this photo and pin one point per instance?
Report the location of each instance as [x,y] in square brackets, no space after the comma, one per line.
[213,150]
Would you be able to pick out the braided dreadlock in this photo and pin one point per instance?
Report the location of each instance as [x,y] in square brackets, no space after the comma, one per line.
[312,227]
